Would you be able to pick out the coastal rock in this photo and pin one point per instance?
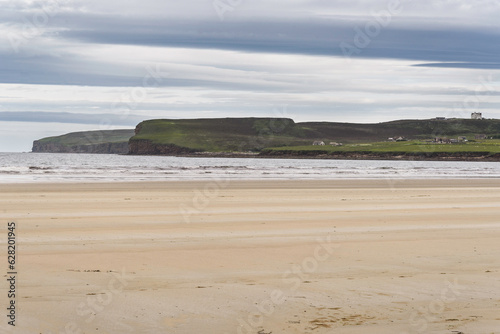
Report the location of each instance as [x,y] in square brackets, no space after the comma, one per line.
[419,156]
[103,148]
[146,147]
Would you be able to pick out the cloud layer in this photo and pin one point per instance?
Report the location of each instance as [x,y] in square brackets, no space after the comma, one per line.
[363,61]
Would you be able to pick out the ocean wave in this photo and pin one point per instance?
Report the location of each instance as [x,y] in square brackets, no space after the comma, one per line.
[53,167]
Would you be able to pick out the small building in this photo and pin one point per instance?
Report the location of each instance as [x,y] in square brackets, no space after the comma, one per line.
[441,140]
[462,138]
[481,137]
[336,144]
[401,139]
[319,143]
[476,115]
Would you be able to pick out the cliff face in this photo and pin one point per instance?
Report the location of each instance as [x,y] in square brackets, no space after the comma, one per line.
[146,147]
[103,148]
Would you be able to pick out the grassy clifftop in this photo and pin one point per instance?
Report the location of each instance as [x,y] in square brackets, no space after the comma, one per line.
[165,136]
[487,149]
[216,135]
[105,141]
[90,137]
[414,129]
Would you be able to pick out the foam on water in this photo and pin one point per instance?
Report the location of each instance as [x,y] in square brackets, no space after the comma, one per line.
[51,167]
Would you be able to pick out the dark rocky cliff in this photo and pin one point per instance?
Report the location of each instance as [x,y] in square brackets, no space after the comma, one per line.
[427,156]
[146,147]
[103,148]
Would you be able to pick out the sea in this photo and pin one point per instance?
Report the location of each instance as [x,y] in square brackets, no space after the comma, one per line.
[66,167]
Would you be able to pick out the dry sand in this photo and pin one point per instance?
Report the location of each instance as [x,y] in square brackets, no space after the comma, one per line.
[359,256]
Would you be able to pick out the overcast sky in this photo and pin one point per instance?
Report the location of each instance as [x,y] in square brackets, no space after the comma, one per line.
[111,63]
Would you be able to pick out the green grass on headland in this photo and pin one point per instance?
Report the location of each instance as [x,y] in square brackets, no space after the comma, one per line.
[403,147]
[105,141]
[90,137]
[255,134]
[221,134]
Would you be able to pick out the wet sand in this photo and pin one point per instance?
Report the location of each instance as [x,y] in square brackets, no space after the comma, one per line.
[346,256]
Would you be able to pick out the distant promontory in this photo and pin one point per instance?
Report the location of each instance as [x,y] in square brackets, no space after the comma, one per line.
[432,139]
[106,141]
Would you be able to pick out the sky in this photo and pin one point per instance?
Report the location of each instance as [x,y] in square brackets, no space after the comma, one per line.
[74,65]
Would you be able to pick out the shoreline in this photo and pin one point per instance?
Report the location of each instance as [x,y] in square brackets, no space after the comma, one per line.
[339,156]
[264,183]
[312,155]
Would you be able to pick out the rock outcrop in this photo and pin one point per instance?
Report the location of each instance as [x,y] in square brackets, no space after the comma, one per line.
[423,156]
[146,147]
[103,148]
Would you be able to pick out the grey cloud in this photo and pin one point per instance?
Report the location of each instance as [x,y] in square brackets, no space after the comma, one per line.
[53,70]
[76,118]
[436,45]
[313,37]
[431,44]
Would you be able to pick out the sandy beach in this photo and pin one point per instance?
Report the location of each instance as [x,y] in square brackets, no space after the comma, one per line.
[345,256]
